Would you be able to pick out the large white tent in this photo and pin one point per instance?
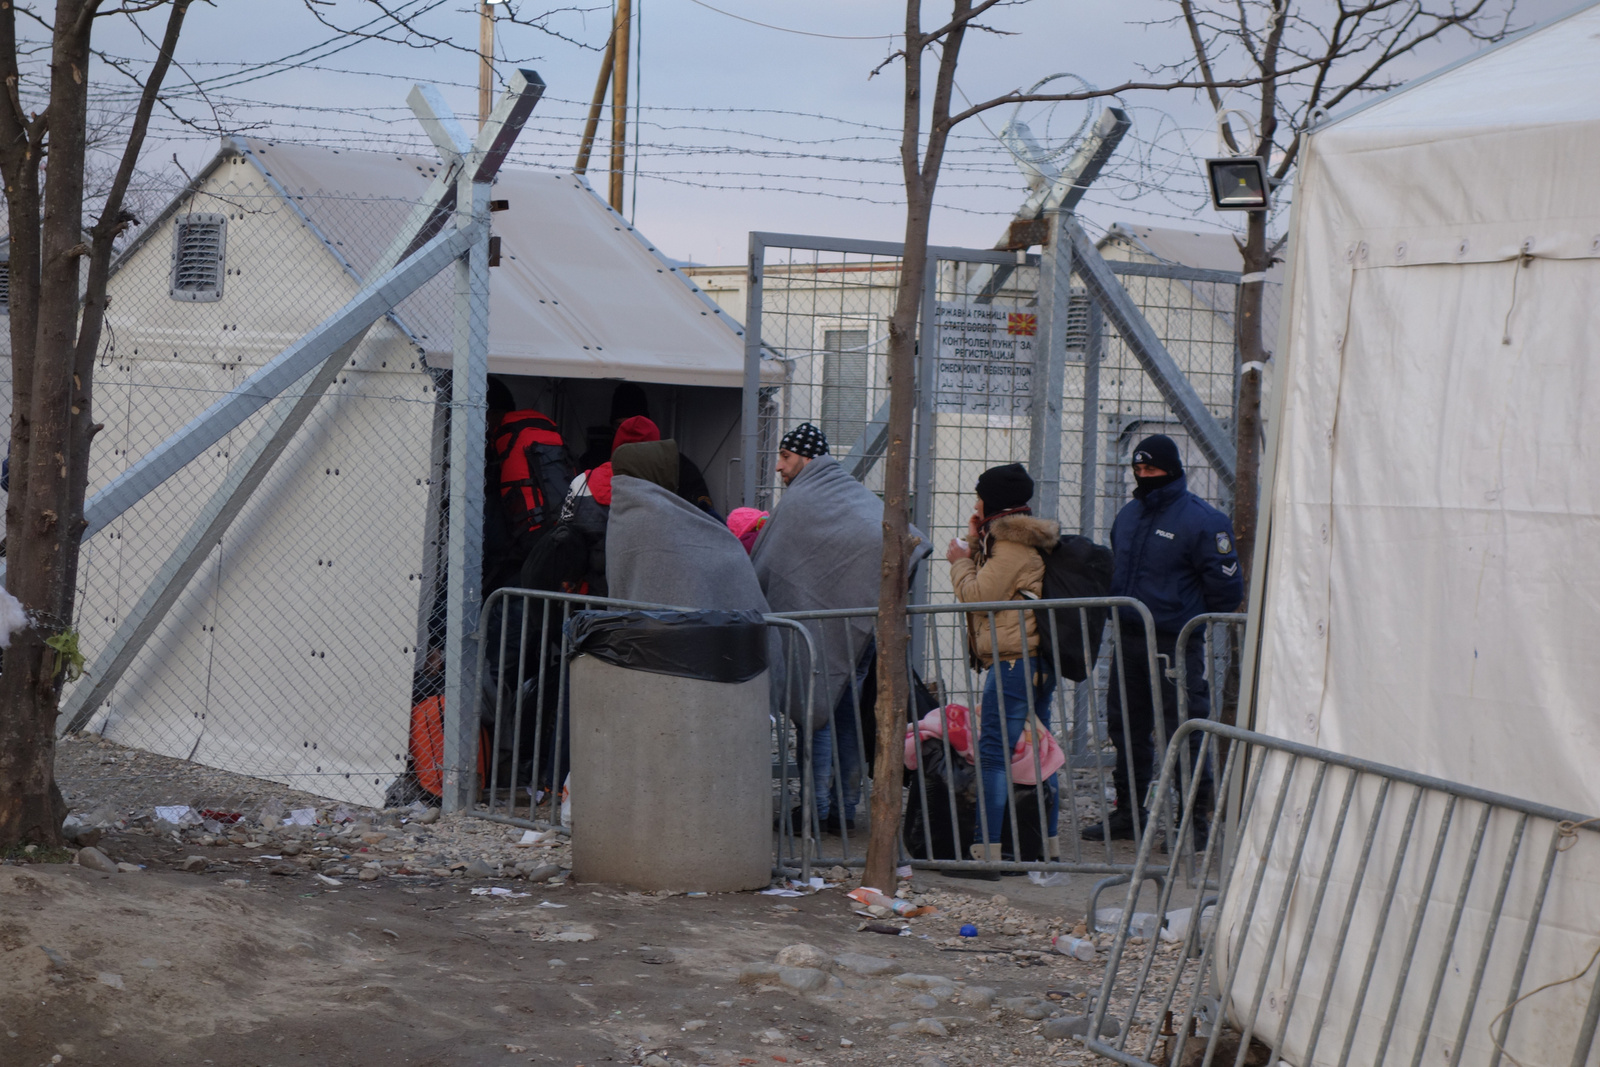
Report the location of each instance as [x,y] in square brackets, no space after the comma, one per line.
[294,653]
[1430,590]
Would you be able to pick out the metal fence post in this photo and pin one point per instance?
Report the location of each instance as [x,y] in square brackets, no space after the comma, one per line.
[469,374]
[1049,368]
[1089,482]
[750,412]
[922,500]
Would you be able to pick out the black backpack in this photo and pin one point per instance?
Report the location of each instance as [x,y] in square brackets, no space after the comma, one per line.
[535,472]
[1076,568]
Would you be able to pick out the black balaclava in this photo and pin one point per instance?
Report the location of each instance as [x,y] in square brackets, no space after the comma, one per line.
[1157,450]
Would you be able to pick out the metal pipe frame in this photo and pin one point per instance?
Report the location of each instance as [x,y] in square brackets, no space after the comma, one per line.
[1207,980]
[1099,278]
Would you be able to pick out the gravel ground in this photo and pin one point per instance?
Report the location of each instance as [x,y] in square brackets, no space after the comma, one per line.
[383,937]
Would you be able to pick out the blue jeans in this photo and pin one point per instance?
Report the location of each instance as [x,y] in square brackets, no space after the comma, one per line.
[842,732]
[1008,683]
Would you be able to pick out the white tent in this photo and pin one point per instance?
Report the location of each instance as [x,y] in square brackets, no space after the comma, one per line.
[1430,591]
[575,295]
[293,653]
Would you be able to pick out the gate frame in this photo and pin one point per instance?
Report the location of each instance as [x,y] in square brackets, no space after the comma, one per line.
[1072,251]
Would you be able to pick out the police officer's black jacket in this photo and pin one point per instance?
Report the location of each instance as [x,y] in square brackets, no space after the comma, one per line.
[1174,551]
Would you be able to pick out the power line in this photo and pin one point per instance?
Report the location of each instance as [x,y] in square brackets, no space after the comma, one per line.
[799,33]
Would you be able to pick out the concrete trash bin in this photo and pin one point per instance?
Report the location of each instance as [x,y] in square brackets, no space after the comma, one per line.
[671,761]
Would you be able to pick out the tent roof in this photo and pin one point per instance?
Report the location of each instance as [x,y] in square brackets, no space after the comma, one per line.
[1188,248]
[1209,251]
[1480,162]
[1544,76]
[578,292]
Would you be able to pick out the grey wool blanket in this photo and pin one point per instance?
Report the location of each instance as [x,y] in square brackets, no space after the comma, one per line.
[822,549]
[661,549]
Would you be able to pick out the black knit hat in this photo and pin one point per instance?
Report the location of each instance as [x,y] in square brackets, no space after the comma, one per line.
[1159,451]
[1004,488]
[628,400]
[804,440]
[500,398]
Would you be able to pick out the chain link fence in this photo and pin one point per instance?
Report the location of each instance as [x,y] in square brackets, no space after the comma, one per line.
[312,627]
[311,638]
[820,308]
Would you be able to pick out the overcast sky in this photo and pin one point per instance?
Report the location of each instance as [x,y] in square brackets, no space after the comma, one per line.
[743,126]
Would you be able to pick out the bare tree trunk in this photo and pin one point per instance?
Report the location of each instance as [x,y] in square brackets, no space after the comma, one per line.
[42,539]
[54,338]
[1247,417]
[920,165]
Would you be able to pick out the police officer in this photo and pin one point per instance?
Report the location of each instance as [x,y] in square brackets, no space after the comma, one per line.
[1174,552]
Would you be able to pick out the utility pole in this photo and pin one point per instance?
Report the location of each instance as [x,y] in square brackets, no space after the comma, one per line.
[592,126]
[486,59]
[619,100]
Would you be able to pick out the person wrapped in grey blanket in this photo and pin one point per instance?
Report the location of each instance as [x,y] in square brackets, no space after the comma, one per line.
[822,548]
[661,549]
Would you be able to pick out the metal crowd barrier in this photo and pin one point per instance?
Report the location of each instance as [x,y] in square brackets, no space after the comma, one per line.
[523,700]
[946,812]
[1349,924]
[523,652]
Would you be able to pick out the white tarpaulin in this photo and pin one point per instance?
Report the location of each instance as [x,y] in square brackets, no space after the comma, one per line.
[578,293]
[1432,584]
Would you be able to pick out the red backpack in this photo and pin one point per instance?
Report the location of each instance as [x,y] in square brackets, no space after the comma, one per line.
[535,473]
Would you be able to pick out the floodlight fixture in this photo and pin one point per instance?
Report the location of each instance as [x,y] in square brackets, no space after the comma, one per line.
[1239,183]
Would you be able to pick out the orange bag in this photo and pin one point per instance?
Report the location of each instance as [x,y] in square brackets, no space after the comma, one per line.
[427,745]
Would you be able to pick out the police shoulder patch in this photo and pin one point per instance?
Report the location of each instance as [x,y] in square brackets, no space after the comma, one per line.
[1224,543]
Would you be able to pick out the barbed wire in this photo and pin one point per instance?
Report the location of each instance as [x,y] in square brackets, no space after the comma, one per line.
[712,148]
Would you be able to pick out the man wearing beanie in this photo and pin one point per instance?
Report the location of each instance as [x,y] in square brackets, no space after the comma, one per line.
[1001,561]
[799,447]
[822,549]
[1174,552]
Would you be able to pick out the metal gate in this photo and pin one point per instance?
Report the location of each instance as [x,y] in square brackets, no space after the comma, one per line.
[1128,349]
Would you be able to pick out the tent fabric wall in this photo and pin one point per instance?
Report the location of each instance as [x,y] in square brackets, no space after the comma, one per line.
[1432,587]
[290,655]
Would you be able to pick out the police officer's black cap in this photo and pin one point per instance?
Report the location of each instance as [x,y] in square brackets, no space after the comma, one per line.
[1159,451]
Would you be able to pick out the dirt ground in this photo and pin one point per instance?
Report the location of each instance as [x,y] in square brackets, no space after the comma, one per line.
[254,962]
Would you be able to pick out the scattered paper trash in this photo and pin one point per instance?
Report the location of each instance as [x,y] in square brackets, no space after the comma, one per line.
[891,905]
[500,891]
[325,880]
[534,837]
[903,872]
[177,815]
[1050,879]
[341,814]
[547,904]
[301,817]
[780,891]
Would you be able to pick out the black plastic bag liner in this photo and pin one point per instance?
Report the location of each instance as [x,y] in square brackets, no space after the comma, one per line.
[713,646]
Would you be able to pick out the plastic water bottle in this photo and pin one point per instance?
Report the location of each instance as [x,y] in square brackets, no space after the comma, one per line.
[1079,948]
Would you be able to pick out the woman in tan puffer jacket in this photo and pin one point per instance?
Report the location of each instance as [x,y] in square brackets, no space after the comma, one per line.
[1001,562]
